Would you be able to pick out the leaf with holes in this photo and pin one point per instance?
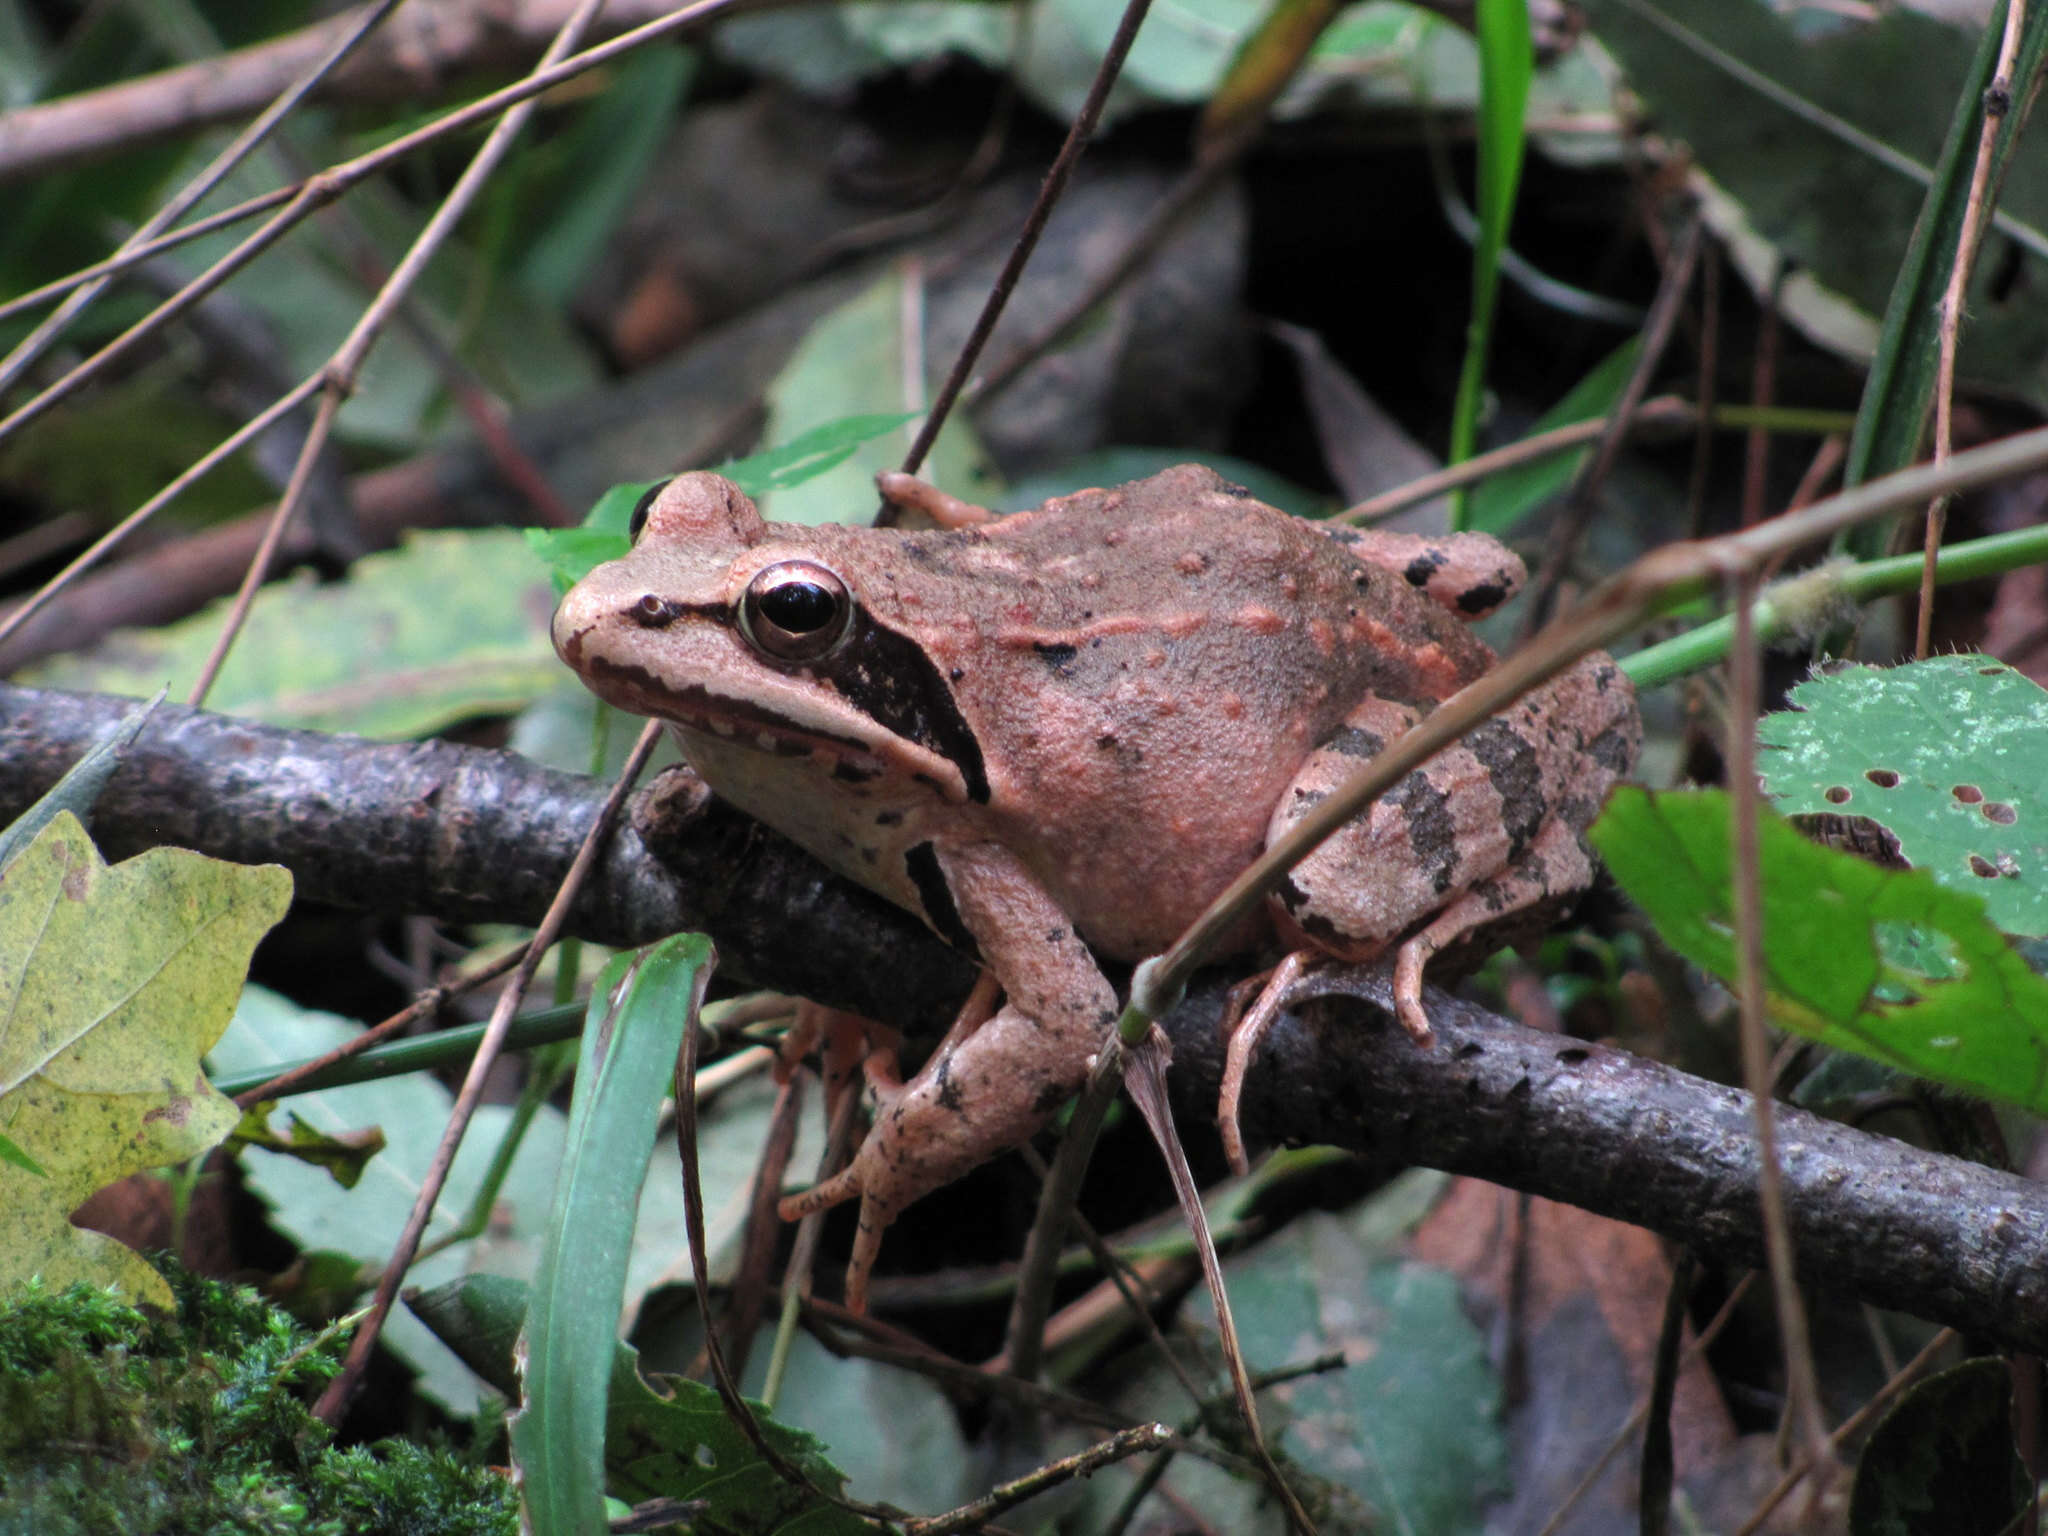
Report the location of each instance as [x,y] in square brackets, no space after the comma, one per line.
[1950,755]
[113,981]
[1887,963]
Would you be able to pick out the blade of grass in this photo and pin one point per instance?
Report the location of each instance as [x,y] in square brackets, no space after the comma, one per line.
[1507,60]
[642,1004]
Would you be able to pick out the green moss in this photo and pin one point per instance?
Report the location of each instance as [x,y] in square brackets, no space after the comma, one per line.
[113,1419]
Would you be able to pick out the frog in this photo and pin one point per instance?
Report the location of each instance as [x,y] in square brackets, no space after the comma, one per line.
[1054,736]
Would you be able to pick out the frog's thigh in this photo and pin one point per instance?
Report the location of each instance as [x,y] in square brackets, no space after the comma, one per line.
[1556,862]
[1447,826]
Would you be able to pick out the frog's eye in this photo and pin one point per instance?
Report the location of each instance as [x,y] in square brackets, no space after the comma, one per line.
[641,508]
[795,610]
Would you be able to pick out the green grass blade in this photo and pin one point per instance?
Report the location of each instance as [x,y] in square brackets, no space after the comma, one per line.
[627,1063]
[1507,60]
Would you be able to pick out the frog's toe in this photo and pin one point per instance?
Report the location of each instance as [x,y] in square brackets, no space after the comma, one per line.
[822,1196]
[1245,1036]
[1408,992]
[867,1247]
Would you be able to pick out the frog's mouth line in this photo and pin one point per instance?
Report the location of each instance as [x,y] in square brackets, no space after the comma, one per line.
[743,723]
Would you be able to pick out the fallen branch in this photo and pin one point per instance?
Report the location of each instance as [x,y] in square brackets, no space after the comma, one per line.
[463,834]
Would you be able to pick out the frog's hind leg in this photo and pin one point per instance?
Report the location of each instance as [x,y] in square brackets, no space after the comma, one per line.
[1245,1035]
[1556,861]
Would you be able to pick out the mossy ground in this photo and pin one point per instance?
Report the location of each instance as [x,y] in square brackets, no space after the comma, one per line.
[112,1419]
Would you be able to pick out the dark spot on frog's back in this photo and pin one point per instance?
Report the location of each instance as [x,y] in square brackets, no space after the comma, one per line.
[1057,655]
[1232,488]
[1353,742]
[1432,831]
[1424,566]
[1510,763]
[1483,598]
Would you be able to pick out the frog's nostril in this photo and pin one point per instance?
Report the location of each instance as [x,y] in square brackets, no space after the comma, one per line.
[653,612]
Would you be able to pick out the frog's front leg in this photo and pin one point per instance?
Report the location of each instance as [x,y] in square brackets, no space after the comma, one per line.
[985,1091]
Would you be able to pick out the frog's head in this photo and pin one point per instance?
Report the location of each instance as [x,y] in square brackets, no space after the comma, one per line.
[754,633]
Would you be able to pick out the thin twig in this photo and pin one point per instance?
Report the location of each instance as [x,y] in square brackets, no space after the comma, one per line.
[1145,1082]
[428,1003]
[1996,103]
[1193,185]
[33,345]
[1745,666]
[1128,1442]
[749,1294]
[1665,411]
[1763,384]
[1027,239]
[1709,383]
[1849,1428]
[338,378]
[98,550]
[1126,1280]
[803,1253]
[1024,1339]
[335,1400]
[333,182]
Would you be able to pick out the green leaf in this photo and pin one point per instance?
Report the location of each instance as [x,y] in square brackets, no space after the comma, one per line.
[667,1439]
[852,364]
[343,1157]
[810,454]
[632,1035]
[1842,961]
[80,787]
[1949,754]
[447,628]
[113,982]
[1502,500]
[1507,62]
[1941,1462]
[570,554]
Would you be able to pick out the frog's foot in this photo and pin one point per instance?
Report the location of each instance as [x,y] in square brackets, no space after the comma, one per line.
[1245,1036]
[916,1144]
[1556,861]
[901,490]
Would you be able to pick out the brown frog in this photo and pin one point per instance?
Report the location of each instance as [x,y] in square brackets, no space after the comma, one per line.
[1067,729]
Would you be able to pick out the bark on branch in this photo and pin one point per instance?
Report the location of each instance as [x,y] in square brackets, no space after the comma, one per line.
[465,834]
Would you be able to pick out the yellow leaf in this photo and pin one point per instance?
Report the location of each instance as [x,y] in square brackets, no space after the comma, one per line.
[113,983]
